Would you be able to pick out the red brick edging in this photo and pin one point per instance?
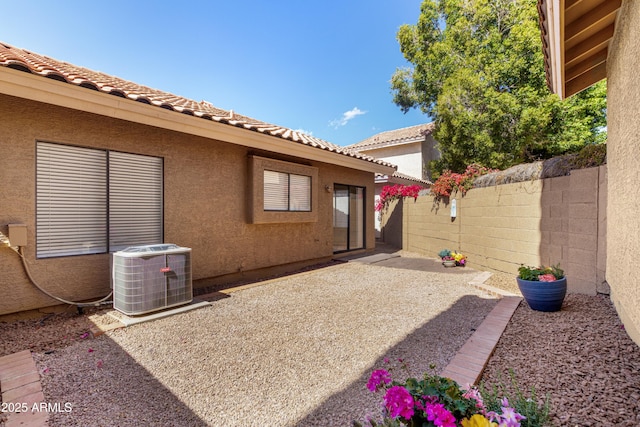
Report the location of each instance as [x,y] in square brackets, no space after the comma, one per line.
[21,390]
[467,365]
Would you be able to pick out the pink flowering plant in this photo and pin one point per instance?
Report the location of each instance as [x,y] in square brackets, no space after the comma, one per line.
[541,274]
[390,193]
[435,401]
[451,182]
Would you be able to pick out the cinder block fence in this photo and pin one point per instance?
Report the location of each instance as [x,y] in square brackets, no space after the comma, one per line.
[549,221]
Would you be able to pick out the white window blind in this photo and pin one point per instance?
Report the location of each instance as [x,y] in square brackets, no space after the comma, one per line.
[299,193]
[276,191]
[71,200]
[135,200]
[95,201]
[286,192]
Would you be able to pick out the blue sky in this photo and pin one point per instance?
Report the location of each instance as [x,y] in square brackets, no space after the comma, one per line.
[322,67]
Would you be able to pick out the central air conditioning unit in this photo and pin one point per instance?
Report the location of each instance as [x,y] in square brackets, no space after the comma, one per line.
[151,278]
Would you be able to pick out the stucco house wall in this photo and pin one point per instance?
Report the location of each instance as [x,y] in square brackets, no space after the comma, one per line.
[408,157]
[623,157]
[207,198]
[412,158]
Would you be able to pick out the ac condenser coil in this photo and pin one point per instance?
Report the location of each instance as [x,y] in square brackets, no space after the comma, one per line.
[151,278]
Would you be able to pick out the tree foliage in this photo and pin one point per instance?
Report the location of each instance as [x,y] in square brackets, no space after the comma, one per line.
[478,70]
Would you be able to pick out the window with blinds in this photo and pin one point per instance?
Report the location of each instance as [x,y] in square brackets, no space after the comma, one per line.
[282,192]
[286,192]
[93,201]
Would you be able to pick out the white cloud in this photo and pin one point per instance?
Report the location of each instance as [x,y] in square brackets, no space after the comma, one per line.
[346,116]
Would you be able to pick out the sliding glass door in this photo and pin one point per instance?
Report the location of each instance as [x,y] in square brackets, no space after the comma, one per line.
[348,217]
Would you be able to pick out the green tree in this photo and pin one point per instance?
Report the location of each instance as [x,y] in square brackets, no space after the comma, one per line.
[478,70]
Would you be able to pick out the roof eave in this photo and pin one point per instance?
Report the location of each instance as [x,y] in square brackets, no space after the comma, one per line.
[552,29]
[576,35]
[36,88]
[386,144]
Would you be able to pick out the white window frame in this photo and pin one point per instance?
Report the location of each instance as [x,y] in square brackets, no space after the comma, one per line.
[93,201]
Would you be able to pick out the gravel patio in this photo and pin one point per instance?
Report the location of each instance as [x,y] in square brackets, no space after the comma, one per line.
[296,351]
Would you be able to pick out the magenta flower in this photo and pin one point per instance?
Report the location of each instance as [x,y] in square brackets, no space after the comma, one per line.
[439,415]
[377,379]
[399,402]
[547,278]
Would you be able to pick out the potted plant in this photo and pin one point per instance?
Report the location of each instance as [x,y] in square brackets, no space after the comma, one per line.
[452,259]
[544,288]
[447,259]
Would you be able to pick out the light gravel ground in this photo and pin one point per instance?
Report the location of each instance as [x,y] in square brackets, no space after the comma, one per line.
[294,352]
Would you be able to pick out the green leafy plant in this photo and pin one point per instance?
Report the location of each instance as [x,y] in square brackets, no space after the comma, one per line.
[536,414]
[477,68]
[542,274]
[444,253]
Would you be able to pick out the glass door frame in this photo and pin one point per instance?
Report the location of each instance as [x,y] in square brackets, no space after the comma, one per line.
[351,190]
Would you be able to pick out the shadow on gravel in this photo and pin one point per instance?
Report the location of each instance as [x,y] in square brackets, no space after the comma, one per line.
[84,377]
[435,342]
[421,264]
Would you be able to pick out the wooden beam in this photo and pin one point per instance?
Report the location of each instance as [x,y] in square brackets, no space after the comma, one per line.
[587,64]
[589,45]
[598,14]
[586,79]
[568,4]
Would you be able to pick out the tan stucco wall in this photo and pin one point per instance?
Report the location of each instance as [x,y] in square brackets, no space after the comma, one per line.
[623,157]
[206,188]
[558,220]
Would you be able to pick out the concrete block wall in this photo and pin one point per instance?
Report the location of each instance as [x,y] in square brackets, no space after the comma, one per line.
[557,220]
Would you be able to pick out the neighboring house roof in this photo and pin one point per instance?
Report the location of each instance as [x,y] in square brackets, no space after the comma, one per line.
[35,64]
[394,137]
[397,176]
[575,40]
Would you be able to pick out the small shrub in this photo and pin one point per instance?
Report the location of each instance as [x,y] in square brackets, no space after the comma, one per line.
[590,156]
[536,414]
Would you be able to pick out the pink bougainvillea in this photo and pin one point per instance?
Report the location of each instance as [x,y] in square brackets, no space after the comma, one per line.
[393,192]
[449,182]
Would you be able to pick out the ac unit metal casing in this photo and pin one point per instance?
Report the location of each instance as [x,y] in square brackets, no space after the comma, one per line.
[151,278]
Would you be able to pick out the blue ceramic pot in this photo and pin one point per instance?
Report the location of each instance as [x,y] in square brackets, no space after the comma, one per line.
[543,296]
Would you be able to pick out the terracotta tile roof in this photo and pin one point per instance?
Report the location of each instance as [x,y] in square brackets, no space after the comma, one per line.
[394,137]
[23,60]
[400,175]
